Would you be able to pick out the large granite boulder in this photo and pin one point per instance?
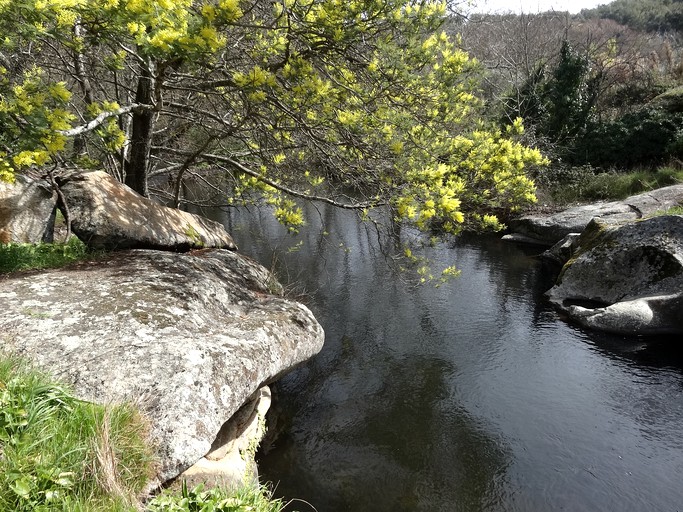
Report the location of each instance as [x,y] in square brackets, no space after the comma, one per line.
[27,209]
[626,279]
[550,229]
[106,214]
[189,337]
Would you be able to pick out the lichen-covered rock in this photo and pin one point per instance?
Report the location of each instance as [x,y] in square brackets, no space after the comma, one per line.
[27,209]
[626,279]
[106,214]
[550,229]
[190,337]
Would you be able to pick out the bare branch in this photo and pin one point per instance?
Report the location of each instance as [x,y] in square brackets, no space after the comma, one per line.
[288,190]
[100,119]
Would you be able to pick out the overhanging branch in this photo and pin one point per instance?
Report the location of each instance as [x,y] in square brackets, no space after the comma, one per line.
[283,188]
[101,118]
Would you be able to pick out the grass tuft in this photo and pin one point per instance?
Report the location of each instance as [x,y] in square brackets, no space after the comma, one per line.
[247,498]
[674,210]
[58,453]
[14,257]
[583,184]
[51,444]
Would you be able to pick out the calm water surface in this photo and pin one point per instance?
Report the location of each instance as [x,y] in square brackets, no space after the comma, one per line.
[471,396]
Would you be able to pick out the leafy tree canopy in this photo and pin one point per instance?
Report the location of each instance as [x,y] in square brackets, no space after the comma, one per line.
[289,98]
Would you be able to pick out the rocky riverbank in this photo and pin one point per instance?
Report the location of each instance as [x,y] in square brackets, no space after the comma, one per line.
[190,337]
[621,271]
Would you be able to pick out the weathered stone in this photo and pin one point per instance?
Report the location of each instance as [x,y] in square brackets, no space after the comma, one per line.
[550,229]
[230,463]
[648,315]
[626,279]
[190,337]
[106,214]
[523,239]
[564,250]
[27,209]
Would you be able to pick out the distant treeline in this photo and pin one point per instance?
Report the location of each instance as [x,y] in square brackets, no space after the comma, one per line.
[645,15]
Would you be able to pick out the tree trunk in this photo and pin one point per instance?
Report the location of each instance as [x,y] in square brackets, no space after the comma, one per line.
[137,165]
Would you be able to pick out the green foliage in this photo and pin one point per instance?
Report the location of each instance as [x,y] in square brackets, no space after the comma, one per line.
[32,113]
[15,256]
[581,184]
[559,102]
[562,108]
[643,138]
[304,98]
[245,499]
[59,453]
[570,95]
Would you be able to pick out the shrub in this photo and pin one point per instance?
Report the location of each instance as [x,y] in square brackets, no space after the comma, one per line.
[648,136]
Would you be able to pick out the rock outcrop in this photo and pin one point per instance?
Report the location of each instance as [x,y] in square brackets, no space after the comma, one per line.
[230,462]
[106,214]
[27,209]
[550,229]
[626,279]
[189,337]
[562,251]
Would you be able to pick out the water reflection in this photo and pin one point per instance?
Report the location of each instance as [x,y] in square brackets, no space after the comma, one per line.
[471,396]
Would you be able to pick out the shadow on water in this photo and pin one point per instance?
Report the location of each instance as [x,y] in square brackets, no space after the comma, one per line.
[471,396]
[389,442]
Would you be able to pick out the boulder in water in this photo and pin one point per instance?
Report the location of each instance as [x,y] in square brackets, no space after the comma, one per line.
[550,229]
[626,279]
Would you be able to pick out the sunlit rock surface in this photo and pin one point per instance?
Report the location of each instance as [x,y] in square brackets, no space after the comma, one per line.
[26,210]
[190,337]
[106,214]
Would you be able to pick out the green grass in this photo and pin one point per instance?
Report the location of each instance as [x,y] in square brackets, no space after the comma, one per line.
[58,453]
[571,185]
[14,257]
[246,499]
[674,210]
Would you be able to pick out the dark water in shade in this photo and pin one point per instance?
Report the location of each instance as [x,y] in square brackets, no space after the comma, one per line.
[471,396]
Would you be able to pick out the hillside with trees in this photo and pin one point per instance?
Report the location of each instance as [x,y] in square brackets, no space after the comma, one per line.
[646,15]
[597,91]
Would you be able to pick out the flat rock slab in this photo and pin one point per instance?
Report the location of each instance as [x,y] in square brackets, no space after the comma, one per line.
[550,229]
[106,214]
[191,337]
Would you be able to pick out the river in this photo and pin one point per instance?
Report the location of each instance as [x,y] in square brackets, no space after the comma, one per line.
[474,395]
